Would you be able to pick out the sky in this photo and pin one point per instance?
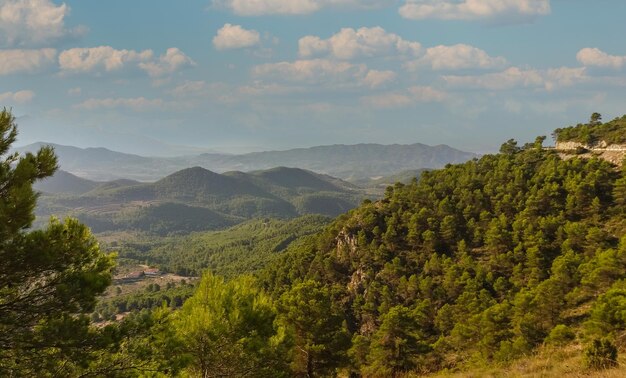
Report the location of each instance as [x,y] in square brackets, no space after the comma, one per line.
[165,77]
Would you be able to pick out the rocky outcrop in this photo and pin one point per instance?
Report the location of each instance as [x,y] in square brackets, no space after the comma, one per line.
[600,146]
[568,146]
[614,153]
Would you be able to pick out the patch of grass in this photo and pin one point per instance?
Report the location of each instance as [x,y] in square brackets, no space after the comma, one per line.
[548,362]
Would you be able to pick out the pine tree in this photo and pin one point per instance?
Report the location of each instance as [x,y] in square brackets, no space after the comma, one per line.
[49,279]
[227,330]
[317,327]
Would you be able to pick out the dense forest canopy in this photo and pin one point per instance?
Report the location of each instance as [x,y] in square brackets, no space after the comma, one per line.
[474,263]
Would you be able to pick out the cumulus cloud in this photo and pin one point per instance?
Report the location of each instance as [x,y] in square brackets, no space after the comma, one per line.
[399,99]
[311,71]
[324,73]
[19,97]
[138,104]
[107,59]
[33,22]
[293,7]
[25,61]
[102,58]
[235,37]
[375,79]
[474,9]
[172,61]
[349,43]
[456,57]
[593,57]
[515,77]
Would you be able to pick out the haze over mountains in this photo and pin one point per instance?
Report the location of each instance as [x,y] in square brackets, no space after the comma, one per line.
[195,199]
[348,162]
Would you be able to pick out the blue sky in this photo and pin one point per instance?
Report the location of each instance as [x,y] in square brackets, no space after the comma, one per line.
[163,77]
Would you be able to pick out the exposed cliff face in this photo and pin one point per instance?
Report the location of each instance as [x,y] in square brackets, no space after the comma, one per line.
[614,153]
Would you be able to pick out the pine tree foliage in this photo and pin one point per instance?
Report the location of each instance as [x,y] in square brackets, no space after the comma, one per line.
[228,330]
[49,279]
[474,263]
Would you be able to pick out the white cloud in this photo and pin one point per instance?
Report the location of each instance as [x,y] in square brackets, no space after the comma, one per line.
[456,57]
[375,79]
[564,77]
[593,57]
[107,59]
[399,99]
[510,78]
[33,22]
[426,94]
[293,7]
[261,89]
[474,9]
[19,97]
[172,61]
[235,37]
[17,61]
[138,104]
[515,77]
[322,73]
[311,45]
[75,91]
[349,43]
[102,58]
[190,88]
[314,71]
[387,100]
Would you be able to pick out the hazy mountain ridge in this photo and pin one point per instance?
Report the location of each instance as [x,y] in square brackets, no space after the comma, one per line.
[196,199]
[65,182]
[348,162]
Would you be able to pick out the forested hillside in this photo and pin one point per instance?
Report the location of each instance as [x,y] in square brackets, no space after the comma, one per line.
[196,199]
[476,263]
[242,249]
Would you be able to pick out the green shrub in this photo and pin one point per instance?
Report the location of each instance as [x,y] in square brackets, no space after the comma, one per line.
[560,335]
[600,354]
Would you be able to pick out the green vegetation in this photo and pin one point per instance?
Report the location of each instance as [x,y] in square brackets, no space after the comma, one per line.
[49,279]
[229,330]
[196,199]
[245,248]
[64,182]
[601,354]
[489,259]
[594,131]
[512,256]
[376,186]
[154,296]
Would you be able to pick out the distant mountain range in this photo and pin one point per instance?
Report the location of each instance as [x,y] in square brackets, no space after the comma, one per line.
[348,162]
[195,199]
